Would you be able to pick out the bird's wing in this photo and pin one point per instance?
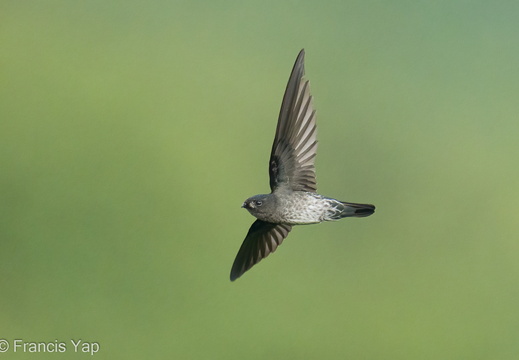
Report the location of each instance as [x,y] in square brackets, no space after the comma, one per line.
[295,145]
[262,239]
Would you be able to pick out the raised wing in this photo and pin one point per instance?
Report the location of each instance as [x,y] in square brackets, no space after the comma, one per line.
[262,239]
[295,145]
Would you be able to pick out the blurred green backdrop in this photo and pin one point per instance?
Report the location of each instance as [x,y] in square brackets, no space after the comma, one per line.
[131,132]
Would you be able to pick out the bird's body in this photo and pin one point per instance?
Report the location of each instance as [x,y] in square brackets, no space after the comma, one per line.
[293,200]
[300,208]
[303,208]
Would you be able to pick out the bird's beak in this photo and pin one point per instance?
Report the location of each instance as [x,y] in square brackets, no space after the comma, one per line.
[244,205]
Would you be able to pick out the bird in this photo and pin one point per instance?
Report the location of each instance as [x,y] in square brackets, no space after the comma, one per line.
[293,199]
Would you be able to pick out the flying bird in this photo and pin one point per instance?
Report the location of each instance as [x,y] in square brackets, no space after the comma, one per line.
[293,199]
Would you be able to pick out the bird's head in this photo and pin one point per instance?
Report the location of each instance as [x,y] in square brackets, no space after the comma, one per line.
[259,204]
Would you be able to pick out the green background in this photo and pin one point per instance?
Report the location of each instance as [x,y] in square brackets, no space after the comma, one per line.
[132,131]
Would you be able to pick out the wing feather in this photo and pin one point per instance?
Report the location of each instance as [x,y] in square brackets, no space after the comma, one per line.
[295,145]
[262,239]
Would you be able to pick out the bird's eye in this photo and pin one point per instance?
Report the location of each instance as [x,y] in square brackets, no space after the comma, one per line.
[258,202]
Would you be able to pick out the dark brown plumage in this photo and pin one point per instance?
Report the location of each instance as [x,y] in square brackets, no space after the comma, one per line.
[293,199]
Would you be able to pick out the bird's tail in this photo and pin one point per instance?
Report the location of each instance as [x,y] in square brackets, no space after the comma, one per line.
[357,210]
